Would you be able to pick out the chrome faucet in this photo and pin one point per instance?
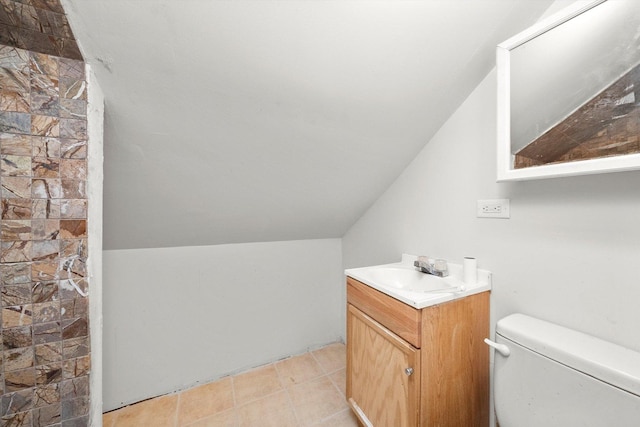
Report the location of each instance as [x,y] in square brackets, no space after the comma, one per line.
[436,267]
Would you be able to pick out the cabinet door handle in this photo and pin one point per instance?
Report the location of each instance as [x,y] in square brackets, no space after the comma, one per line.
[408,371]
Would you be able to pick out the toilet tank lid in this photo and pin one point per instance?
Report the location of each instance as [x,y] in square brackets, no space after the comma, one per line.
[608,362]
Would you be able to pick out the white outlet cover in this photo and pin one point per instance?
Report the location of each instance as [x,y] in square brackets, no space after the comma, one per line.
[493,208]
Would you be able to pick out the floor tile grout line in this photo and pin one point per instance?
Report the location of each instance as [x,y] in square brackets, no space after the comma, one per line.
[337,387]
[283,387]
[322,366]
[329,373]
[249,402]
[233,390]
[281,381]
[283,384]
[318,378]
[289,389]
[213,415]
[293,407]
[179,407]
[328,417]
[326,370]
[175,415]
[318,362]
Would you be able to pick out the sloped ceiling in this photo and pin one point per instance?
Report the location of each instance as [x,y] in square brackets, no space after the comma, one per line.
[246,121]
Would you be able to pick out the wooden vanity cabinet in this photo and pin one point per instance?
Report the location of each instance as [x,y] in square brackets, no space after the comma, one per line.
[383,373]
[411,367]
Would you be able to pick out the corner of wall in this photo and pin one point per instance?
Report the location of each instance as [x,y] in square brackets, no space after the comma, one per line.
[95,127]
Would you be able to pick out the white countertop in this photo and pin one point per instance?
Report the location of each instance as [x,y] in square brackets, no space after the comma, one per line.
[402,281]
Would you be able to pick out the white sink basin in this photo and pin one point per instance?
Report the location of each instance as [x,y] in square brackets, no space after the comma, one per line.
[403,282]
[408,278]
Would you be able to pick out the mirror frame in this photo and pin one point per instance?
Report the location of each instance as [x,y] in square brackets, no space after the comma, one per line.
[505,169]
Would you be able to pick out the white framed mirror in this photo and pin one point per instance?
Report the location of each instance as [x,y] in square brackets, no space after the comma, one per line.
[569,93]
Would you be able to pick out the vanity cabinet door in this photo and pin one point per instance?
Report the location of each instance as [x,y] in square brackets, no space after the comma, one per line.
[383,373]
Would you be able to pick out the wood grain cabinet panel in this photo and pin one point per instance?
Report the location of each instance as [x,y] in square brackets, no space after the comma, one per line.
[404,320]
[385,373]
[441,382]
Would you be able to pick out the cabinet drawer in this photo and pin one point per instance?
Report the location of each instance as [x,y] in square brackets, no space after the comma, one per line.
[404,320]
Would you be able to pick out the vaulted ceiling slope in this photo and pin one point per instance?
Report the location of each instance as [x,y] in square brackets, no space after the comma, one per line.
[246,121]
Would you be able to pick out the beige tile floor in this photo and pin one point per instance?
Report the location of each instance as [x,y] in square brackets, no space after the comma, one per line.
[306,390]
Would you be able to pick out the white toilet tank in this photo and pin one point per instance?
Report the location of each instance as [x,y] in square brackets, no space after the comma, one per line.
[558,377]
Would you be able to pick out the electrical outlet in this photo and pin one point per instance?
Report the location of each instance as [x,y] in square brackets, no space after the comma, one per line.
[493,208]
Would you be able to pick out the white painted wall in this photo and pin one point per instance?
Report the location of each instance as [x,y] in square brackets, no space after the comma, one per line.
[569,254]
[95,128]
[175,317]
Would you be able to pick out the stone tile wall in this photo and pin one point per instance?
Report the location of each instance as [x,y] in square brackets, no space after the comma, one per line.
[45,364]
[38,26]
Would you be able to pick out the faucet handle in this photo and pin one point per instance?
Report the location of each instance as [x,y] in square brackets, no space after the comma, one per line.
[440,265]
[422,263]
